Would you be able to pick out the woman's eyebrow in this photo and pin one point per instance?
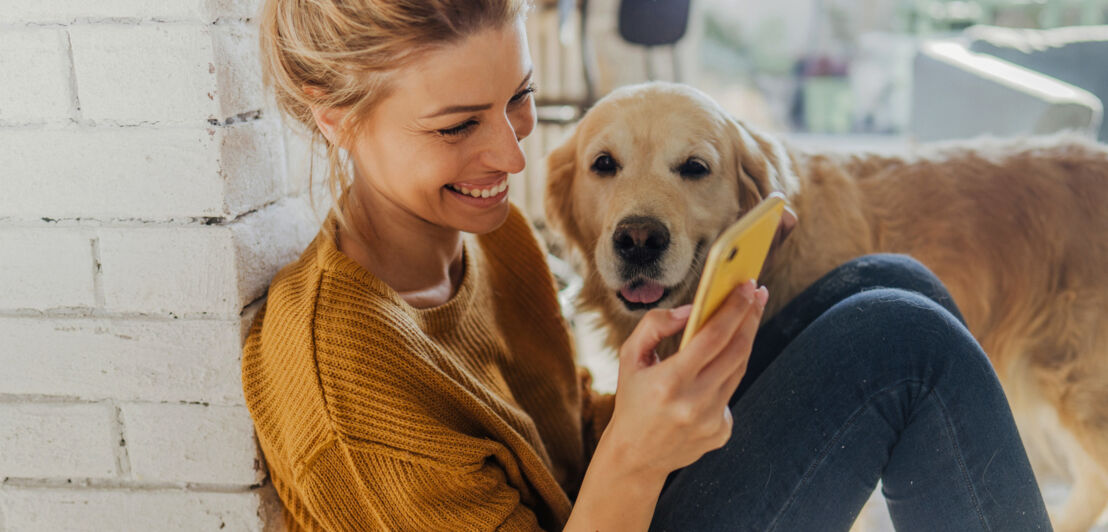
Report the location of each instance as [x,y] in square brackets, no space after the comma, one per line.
[449,110]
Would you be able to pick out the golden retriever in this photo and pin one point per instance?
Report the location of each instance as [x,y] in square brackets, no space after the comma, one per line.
[1017,230]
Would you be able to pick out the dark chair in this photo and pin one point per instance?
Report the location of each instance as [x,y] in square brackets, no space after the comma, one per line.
[654,23]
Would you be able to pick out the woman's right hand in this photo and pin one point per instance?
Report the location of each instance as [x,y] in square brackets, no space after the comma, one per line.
[669,413]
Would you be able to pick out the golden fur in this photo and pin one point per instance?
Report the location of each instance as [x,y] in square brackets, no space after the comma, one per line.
[1017,231]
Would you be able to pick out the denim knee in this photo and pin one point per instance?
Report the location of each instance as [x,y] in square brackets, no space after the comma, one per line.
[907,327]
[894,270]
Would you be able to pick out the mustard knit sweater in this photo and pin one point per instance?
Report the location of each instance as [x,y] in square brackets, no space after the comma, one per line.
[375,415]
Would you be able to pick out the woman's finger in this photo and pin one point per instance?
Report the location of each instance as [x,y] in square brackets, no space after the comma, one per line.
[725,372]
[707,343]
[655,326]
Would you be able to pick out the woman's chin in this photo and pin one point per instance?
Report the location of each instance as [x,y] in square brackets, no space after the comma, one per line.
[486,220]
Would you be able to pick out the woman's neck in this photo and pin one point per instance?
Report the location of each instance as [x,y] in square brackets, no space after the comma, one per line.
[421,261]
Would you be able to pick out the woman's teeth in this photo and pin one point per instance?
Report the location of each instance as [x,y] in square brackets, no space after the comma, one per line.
[481,193]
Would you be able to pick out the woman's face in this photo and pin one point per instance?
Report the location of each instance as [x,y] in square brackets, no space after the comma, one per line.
[450,130]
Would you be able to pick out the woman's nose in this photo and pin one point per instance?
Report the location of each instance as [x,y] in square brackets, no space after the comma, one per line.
[504,152]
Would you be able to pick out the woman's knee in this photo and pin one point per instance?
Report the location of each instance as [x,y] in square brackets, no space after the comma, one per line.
[895,271]
[906,325]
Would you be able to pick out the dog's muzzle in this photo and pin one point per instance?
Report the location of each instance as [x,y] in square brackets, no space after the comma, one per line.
[640,240]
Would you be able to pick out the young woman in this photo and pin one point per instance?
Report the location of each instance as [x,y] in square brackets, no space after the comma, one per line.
[411,371]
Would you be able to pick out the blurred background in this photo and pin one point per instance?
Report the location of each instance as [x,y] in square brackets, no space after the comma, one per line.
[149,191]
[869,75]
[840,75]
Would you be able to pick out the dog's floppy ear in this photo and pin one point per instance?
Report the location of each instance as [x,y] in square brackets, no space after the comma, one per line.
[561,165]
[764,165]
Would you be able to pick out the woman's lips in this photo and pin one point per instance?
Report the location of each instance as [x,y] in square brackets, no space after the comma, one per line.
[478,191]
[484,197]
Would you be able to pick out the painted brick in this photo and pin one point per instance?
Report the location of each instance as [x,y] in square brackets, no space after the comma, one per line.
[165,73]
[212,270]
[137,74]
[36,85]
[269,239]
[251,163]
[111,172]
[46,268]
[64,11]
[55,440]
[169,270]
[238,69]
[135,360]
[144,173]
[175,443]
[97,510]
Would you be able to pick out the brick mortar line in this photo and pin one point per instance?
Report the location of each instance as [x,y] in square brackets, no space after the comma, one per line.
[222,22]
[140,223]
[74,96]
[92,313]
[90,484]
[89,125]
[97,270]
[122,456]
[38,398]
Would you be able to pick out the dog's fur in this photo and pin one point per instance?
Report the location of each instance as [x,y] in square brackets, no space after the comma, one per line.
[1017,231]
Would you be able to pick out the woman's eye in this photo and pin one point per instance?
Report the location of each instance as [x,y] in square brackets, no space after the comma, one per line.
[693,168]
[605,165]
[523,94]
[457,130]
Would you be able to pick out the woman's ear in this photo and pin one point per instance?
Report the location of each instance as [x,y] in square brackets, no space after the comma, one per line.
[763,165]
[561,167]
[327,119]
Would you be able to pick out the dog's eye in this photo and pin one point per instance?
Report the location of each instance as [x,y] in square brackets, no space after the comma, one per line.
[693,168]
[605,165]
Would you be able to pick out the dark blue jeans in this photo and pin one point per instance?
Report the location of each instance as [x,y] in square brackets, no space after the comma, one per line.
[869,374]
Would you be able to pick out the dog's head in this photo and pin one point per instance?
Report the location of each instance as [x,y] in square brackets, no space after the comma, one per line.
[646,182]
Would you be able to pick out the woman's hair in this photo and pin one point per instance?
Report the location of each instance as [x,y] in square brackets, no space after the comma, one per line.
[342,53]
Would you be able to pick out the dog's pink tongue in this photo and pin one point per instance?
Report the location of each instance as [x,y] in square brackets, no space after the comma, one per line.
[642,291]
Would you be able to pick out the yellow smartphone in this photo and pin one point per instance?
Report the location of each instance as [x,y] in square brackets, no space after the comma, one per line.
[735,258]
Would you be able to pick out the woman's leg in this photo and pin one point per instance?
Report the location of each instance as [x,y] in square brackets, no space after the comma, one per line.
[885,384]
[879,270]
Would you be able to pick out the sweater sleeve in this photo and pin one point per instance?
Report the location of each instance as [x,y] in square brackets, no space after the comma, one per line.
[346,488]
[596,410]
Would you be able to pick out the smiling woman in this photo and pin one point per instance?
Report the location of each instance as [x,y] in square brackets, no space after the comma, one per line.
[412,369]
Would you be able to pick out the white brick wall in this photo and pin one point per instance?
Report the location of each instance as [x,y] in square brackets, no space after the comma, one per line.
[174,443]
[46,268]
[148,194]
[40,90]
[123,75]
[144,209]
[148,173]
[67,11]
[98,510]
[138,359]
[55,440]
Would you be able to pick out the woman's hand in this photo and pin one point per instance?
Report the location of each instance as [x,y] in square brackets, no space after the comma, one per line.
[669,413]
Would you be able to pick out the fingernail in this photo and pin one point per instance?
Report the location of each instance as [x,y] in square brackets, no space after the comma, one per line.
[747,291]
[680,313]
[762,295]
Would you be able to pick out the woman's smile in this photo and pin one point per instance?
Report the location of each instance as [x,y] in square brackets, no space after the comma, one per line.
[480,195]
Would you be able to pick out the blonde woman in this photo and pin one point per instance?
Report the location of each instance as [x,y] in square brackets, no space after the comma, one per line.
[411,371]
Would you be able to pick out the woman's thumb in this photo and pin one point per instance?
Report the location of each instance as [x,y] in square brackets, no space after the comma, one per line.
[654,326]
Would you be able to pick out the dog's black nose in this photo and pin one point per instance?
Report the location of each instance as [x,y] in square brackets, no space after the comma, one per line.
[640,240]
